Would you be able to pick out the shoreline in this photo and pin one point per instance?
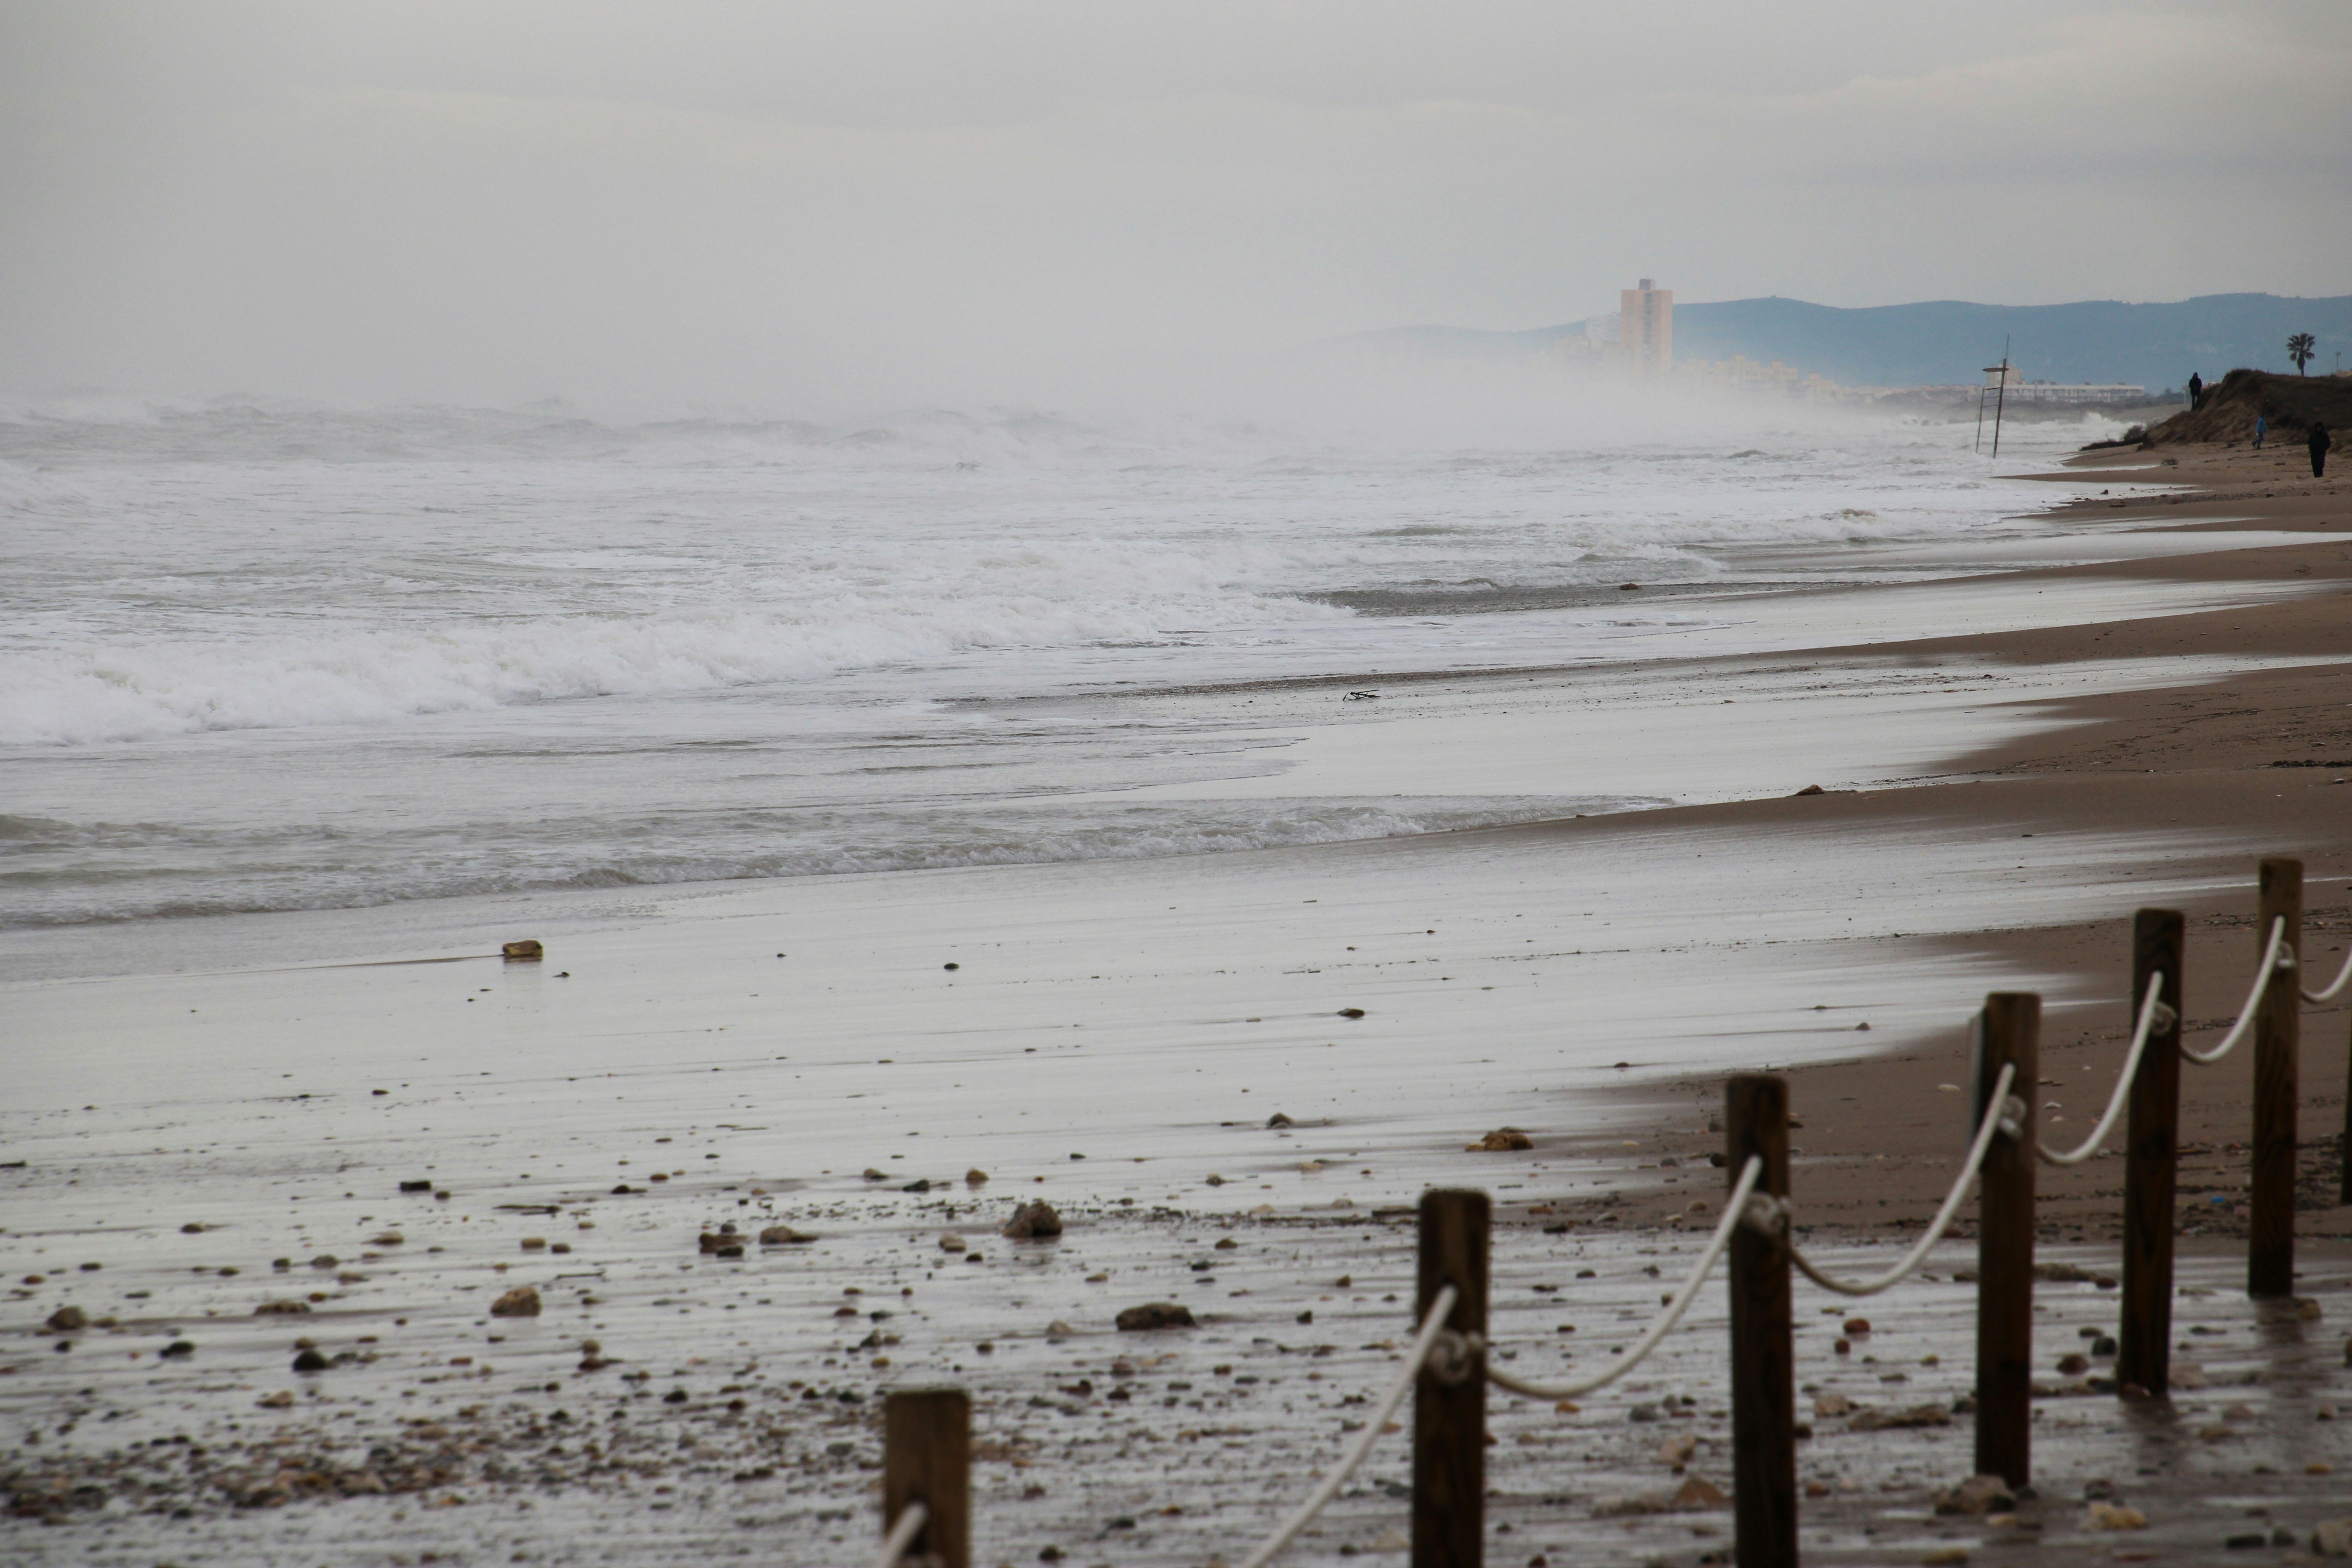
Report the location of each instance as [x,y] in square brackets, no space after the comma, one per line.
[662,1048]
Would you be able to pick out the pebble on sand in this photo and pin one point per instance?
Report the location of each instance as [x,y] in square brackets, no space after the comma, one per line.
[2115,1516]
[1352,1012]
[1155,1315]
[975,1177]
[523,952]
[951,1242]
[1977,1495]
[523,1302]
[1032,1221]
[783,1236]
[67,1319]
[284,1307]
[1501,1141]
[310,1361]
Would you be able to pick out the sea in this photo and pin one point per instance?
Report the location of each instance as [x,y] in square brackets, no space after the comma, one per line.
[273,656]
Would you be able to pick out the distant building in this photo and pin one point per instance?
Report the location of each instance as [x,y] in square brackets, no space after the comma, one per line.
[1645,327]
[2015,388]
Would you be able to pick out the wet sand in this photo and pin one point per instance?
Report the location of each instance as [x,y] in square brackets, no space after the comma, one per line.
[1115,1036]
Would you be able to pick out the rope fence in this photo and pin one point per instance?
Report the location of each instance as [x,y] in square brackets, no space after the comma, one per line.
[926,1461]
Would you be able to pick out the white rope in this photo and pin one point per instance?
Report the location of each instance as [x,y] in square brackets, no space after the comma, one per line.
[902,1535]
[1441,1306]
[1995,1114]
[2152,1015]
[1735,1210]
[2333,992]
[2275,958]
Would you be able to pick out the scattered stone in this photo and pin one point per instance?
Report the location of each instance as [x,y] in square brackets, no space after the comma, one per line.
[1809,789]
[523,1302]
[2306,1309]
[2073,1365]
[283,1308]
[1279,1120]
[719,1244]
[534,1244]
[176,1349]
[1678,1450]
[783,1236]
[424,1186]
[1155,1315]
[387,1238]
[1826,1404]
[310,1361]
[67,1319]
[2115,1516]
[1215,1180]
[1944,1555]
[1352,1012]
[326,1260]
[1857,1325]
[193,1227]
[919,1184]
[2105,1345]
[951,1242]
[1870,1420]
[2333,1539]
[281,1400]
[1978,1495]
[1058,1330]
[874,1175]
[975,1177]
[523,952]
[1032,1221]
[1501,1141]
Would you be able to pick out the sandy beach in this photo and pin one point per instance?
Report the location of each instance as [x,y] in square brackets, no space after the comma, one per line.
[1231,1074]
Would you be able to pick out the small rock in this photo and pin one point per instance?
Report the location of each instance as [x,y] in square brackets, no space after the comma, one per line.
[2105,1345]
[193,1227]
[387,1238]
[1872,1420]
[281,1400]
[1352,1012]
[1058,1330]
[1978,1495]
[1215,1180]
[2115,1516]
[523,952]
[326,1260]
[523,1302]
[286,1308]
[1697,1495]
[1944,1555]
[975,1177]
[951,1242]
[67,1319]
[1678,1450]
[2333,1539]
[177,1349]
[783,1236]
[534,1244]
[1809,789]
[919,1184]
[1501,1141]
[424,1186]
[1826,1404]
[1032,1221]
[1857,1325]
[310,1361]
[2306,1309]
[2073,1365]
[1156,1315]
[1279,1120]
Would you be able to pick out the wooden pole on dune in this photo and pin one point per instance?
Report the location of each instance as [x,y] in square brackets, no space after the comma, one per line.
[1763,1416]
[2151,1154]
[927,1459]
[2011,1030]
[2270,1246]
[1449,1398]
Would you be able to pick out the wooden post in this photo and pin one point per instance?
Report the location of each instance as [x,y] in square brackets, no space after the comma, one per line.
[1449,1401]
[2151,1154]
[2269,1237]
[927,1458]
[1763,1413]
[2011,1030]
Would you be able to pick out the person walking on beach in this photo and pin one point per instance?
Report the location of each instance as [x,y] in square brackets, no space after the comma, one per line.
[2262,428]
[2318,442]
[2196,392]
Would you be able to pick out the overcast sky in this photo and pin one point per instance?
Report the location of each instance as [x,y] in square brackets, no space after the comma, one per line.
[494,199]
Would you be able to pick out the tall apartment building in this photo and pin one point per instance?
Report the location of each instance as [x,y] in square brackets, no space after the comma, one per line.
[1645,327]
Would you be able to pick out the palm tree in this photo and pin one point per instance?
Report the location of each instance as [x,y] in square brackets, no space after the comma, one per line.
[2300,348]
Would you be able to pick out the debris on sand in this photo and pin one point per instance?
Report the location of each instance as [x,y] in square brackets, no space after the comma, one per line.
[523,1302]
[1352,1012]
[2115,1516]
[1808,789]
[310,1361]
[1501,1141]
[1977,1495]
[523,952]
[783,1236]
[1869,1418]
[1032,1221]
[1695,1495]
[1156,1315]
[1279,1120]
[67,1319]
[283,1307]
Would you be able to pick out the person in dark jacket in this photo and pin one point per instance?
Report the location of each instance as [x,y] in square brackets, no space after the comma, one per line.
[2318,442]
[2196,392]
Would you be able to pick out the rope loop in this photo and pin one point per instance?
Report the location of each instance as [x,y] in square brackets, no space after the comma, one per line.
[909,1525]
[1452,1357]
[2276,957]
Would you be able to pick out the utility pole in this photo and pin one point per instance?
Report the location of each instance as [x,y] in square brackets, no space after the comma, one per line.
[2000,390]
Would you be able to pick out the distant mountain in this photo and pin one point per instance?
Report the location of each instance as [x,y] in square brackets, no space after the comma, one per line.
[1945,341]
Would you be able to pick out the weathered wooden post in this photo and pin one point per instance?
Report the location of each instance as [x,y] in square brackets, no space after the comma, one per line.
[2010,1031]
[927,1458]
[1449,1397]
[2151,1163]
[2270,1243]
[1763,1396]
